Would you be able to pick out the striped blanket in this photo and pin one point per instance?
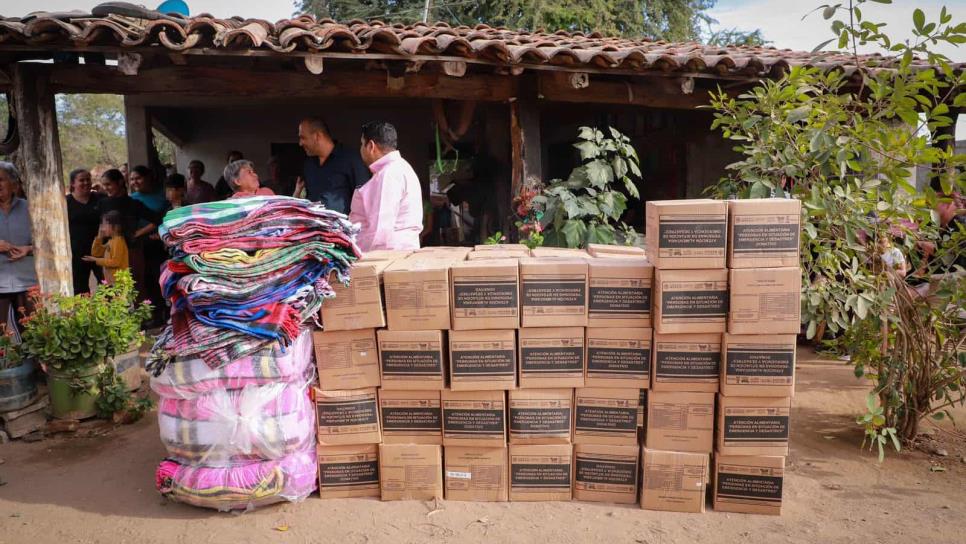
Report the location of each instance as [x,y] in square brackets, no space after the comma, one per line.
[240,486]
[233,425]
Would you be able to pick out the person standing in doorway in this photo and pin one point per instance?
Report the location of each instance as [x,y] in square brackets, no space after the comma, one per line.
[199,191]
[389,206]
[83,222]
[331,172]
[16,247]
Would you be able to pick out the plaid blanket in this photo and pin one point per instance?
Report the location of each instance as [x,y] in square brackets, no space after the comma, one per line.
[240,486]
[187,378]
[232,425]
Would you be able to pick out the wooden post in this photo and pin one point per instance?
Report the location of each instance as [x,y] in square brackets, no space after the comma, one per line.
[525,144]
[137,128]
[43,176]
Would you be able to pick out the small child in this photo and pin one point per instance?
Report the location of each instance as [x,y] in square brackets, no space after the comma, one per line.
[174,190]
[892,256]
[109,250]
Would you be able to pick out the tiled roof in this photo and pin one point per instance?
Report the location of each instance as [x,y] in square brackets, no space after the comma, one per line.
[105,27]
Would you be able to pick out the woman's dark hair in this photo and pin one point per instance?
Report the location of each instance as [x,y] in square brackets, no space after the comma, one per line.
[143,171]
[175,181]
[76,172]
[114,219]
[114,175]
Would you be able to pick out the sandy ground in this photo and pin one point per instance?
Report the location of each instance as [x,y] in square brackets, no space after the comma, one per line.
[101,489]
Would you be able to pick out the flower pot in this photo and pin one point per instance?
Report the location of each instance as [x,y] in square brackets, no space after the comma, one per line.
[18,388]
[70,396]
[127,366]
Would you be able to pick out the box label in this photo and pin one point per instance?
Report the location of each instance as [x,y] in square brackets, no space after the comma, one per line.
[607,419]
[555,292]
[538,476]
[688,233]
[417,295]
[484,363]
[411,363]
[350,474]
[695,303]
[759,365]
[688,364]
[540,420]
[606,474]
[755,428]
[625,362]
[539,360]
[347,413]
[621,301]
[749,487]
[473,422]
[411,418]
[492,297]
[765,239]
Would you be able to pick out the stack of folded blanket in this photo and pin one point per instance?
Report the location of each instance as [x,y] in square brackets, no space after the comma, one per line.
[234,366]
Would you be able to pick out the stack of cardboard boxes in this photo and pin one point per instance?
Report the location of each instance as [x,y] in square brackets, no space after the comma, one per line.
[499,374]
[722,337]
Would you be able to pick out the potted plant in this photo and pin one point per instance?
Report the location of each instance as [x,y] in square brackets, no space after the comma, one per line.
[74,337]
[17,385]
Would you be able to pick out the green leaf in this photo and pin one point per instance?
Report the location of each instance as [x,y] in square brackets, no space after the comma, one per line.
[812,329]
[829,11]
[599,173]
[574,232]
[918,19]
[588,150]
[822,45]
[799,113]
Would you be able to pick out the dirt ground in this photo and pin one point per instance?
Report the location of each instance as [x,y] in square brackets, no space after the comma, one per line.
[101,489]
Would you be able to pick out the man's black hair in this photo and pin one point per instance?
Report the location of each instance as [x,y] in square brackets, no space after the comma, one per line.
[381,132]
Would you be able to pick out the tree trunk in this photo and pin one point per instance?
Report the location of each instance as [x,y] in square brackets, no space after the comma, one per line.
[43,175]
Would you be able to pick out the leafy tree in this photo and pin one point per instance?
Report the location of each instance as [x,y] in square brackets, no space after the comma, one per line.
[849,150]
[674,20]
[586,208]
[91,130]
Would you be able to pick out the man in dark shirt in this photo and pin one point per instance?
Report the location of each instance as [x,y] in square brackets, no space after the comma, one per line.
[331,172]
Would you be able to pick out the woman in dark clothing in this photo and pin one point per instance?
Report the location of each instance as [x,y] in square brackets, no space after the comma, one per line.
[145,190]
[139,222]
[83,221]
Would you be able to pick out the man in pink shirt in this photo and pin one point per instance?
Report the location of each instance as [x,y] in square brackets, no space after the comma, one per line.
[389,206]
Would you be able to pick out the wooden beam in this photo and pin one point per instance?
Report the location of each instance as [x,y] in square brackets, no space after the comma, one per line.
[654,93]
[33,104]
[209,81]
[137,128]
[525,147]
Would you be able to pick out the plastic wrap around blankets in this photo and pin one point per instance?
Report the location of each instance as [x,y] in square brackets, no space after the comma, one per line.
[240,486]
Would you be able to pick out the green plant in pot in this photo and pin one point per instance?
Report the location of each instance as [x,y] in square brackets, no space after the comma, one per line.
[72,338]
[17,385]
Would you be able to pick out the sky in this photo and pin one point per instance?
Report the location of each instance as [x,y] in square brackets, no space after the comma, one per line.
[780,20]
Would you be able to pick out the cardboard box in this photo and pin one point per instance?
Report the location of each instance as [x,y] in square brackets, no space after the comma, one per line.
[758,365]
[680,421]
[604,250]
[686,234]
[417,294]
[748,485]
[765,301]
[619,292]
[485,294]
[541,473]
[385,255]
[606,473]
[411,359]
[475,474]
[358,306]
[410,472]
[642,409]
[558,252]
[347,417]
[688,301]
[449,253]
[764,233]
[673,481]
[348,471]
[618,357]
[489,255]
[686,362]
[411,417]
[552,357]
[482,360]
[541,416]
[347,359]
[500,247]
[474,418]
[753,425]
[606,416]
[553,292]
